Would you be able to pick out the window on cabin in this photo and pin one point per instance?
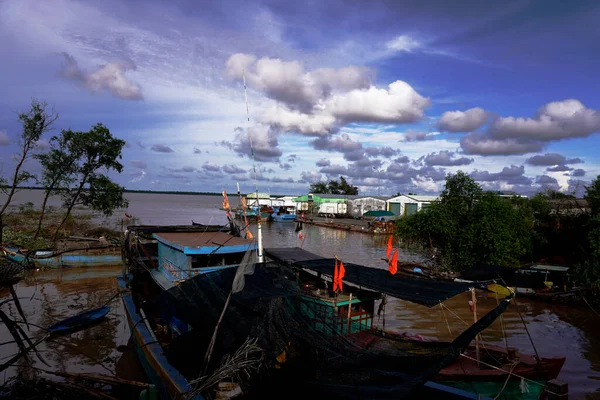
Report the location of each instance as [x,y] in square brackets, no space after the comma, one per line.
[216,260]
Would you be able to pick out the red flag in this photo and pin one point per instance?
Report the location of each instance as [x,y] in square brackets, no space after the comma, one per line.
[341,273]
[394,263]
[389,247]
[335,276]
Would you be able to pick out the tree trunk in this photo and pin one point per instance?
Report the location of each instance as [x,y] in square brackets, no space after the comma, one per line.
[39,227]
[73,200]
[13,188]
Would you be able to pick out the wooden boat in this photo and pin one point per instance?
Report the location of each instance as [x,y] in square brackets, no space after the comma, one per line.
[89,256]
[467,373]
[182,252]
[304,331]
[283,214]
[80,320]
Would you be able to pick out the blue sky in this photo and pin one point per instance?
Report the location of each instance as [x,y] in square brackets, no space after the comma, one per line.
[393,95]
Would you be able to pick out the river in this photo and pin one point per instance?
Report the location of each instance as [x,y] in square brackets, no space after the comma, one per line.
[48,296]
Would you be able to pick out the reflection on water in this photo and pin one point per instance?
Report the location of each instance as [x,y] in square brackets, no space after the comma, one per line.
[557,330]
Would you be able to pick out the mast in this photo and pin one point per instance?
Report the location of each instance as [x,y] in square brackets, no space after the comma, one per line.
[260,257]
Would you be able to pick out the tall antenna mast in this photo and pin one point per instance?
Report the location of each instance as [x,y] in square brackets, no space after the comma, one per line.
[260,256]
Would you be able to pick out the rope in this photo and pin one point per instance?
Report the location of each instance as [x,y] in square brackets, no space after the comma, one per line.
[502,324]
[512,368]
[517,375]
[586,302]
[452,312]
[445,319]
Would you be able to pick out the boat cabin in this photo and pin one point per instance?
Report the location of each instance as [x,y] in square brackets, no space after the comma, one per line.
[182,255]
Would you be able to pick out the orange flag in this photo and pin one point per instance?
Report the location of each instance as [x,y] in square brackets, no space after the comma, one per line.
[341,273]
[389,247]
[335,276]
[394,263]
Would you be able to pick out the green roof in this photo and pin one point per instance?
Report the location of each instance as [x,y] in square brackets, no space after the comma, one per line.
[378,213]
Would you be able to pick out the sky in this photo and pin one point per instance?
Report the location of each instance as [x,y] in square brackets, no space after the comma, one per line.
[393,95]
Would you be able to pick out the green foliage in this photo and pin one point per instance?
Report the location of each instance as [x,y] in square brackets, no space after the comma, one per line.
[95,151]
[24,239]
[592,196]
[467,226]
[334,187]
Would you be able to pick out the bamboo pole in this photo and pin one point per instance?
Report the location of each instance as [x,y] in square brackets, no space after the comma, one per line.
[349,313]
[474,300]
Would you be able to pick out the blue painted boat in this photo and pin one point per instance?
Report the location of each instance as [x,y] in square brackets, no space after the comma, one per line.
[169,382]
[80,320]
[172,255]
[96,256]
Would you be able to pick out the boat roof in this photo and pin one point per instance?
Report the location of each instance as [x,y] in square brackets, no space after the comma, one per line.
[427,292]
[555,268]
[198,243]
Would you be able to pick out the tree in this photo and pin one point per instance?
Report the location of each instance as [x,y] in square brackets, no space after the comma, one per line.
[319,187]
[97,151]
[592,195]
[334,187]
[466,227]
[58,169]
[35,122]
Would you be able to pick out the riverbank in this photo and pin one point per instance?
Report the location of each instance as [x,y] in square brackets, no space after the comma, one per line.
[368,226]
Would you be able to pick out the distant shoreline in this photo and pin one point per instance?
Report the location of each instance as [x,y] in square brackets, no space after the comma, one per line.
[148,191]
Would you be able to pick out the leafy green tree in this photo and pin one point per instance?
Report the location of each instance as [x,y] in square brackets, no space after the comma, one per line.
[467,226]
[319,187]
[98,151]
[334,187]
[58,169]
[592,195]
[35,123]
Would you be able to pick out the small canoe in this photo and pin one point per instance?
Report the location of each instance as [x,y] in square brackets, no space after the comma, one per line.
[80,320]
[77,257]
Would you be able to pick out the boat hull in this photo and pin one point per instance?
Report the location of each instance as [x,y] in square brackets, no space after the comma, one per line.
[169,383]
[93,257]
[283,218]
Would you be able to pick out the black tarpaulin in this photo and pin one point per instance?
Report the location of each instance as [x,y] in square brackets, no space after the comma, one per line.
[427,292]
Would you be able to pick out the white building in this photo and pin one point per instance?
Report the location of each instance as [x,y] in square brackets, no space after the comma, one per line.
[409,204]
[359,205]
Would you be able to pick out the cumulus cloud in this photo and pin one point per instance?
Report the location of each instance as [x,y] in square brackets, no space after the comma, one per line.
[463,121]
[197,150]
[233,169]
[553,121]
[310,176]
[139,164]
[264,142]
[403,43]
[341,143]
[282,180]
[42,144]
[475,143]
[512,175]
[559,168]
[318,102]
[578,172]
[546,180]
[446,158]
[161,148]
[109,77]
[137,176]
[550,159]
[415,136]
[425,183]
[211,167]
[285,166]
[323,162]
[4,139]
[385,151]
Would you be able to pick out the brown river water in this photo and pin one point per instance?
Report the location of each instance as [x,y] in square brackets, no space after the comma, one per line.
[51,295]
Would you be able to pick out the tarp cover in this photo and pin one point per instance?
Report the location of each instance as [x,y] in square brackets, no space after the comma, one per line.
[427,292]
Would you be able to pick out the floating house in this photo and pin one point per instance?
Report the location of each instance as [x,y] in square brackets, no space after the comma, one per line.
[409,204]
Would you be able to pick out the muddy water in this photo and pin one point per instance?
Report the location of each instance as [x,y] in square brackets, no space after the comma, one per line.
[48,296]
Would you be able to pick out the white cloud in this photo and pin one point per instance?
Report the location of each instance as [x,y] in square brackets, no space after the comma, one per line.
[426,183]
[310,176]
[463,121]
[474,143]
[553,121]
[403,43]
[4,139]
[109,77]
